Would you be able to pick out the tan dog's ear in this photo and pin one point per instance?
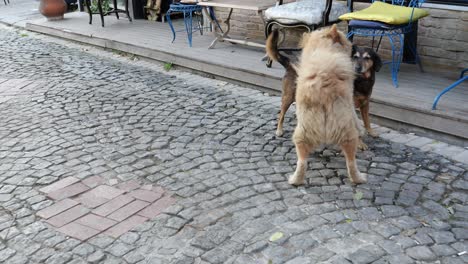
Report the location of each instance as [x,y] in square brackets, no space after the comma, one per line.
[334,35]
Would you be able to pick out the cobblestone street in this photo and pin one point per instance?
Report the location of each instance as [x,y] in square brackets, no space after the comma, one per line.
[210,148]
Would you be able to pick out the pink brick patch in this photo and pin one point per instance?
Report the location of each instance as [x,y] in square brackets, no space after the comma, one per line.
[148,187]
[85,208]
[68,191]
[59,185]
[78,231]
[105,191]
[128,210]
[56,208]
[68,216]
[113,205]
[129,185]
[146,195]
[96,222]
[90,200]
[157,207]
[125,226]
[94,181]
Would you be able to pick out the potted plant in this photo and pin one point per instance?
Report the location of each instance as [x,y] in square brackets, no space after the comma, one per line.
[53,9]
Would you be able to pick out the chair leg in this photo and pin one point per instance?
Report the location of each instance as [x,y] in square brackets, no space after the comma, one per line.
[378,44]
[396,57]
[169,21]
[88,6]
[453,85]
[199,22]
[416,56]
[100,12]
[115,9]
[188,26]
[127,12]
[213,17]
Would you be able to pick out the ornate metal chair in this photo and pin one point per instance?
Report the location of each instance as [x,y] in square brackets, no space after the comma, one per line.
[188,10]
[399,10]
[103,13]
[306,14]
[453,85]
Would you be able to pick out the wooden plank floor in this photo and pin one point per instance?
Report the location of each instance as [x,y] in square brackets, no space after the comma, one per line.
[153,39]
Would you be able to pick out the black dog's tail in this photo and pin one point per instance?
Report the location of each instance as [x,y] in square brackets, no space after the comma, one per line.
[272,50]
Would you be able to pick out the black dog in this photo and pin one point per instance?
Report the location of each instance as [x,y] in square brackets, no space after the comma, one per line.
[366,63]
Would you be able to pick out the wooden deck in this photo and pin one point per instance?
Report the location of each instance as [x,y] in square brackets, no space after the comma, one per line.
[409,104]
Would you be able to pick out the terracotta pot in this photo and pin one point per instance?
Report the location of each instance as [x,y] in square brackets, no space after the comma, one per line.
[53,9]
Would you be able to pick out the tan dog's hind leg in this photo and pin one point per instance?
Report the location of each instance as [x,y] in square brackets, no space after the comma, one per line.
[349,150]
[303,151]
[286,100]
[364,109]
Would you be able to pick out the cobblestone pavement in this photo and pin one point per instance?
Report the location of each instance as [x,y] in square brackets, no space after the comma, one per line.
[211,145]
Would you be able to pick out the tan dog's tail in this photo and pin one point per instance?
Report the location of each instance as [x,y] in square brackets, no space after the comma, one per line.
[272,50]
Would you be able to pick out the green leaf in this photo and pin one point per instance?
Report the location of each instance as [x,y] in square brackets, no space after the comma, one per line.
[349,220]
[276,236]
[358,195]
[270,261]
[168,66]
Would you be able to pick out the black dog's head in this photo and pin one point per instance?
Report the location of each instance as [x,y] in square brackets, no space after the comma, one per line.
[365,60]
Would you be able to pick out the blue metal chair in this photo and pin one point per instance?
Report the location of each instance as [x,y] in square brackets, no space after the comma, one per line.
[188,11]
[453,85]
[395,33]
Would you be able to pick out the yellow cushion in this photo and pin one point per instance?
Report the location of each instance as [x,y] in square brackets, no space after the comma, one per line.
[386,13]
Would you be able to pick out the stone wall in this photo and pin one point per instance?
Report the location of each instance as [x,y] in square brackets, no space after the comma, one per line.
[442,37]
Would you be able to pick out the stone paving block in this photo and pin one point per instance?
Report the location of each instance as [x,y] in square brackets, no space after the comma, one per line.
[128,185]
[419,142]
[157,207]
[93,181]
[68,191]
[125,226]
[78,231]
[56,208]
[5,197]
[113,182]
[59,185]
[107,192]
[96,222]
[146,195]
[128,210]
[68,216]
[462,157]
[113,205]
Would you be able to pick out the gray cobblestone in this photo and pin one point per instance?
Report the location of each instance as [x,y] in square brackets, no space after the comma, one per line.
[421,253]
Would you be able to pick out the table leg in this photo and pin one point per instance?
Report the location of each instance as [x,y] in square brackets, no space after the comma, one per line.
[218,36]
[221,36]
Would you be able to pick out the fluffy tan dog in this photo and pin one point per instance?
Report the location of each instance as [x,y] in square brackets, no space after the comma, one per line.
[324,97]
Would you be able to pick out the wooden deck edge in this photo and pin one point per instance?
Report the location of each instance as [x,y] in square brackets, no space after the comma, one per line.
[421,118]
[235,74]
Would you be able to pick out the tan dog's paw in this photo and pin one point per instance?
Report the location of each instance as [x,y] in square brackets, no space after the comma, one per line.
[372,133]
[362,146]
[279,132]
[358,178]
[295,180]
